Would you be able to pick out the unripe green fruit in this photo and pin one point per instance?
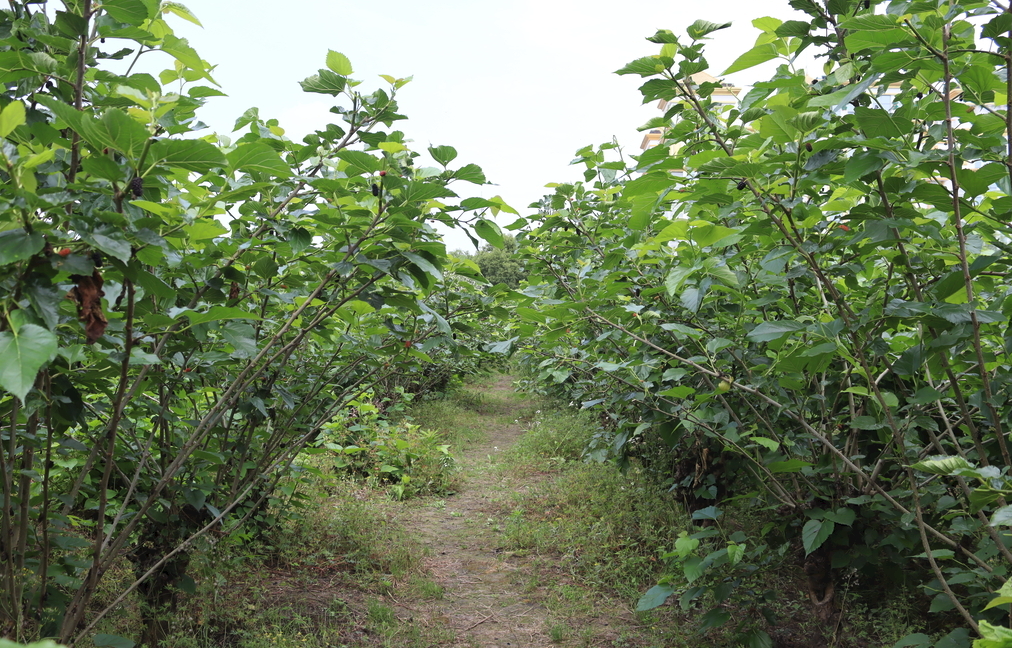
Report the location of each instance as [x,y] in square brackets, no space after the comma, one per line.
[723,386]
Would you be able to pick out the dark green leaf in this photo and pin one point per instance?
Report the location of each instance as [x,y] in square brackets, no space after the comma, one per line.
[189,155]
[655,597]
[815,533]
[19,245]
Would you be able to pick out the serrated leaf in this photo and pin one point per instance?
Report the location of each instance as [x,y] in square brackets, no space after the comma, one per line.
[339,63]
[325,82]
[24,353]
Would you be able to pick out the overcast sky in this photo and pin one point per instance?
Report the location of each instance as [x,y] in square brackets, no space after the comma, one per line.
[516,86]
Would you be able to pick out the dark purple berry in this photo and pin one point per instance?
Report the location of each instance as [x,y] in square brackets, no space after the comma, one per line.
[137,187]
[742,184]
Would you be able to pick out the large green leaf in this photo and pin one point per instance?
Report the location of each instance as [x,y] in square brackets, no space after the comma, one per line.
[755,56]
[116,130]
[132,12]
[815,533]
[189,155]
[655,597]
[24,352]
[257,156]
[489,231]
[769,331]
[19,245]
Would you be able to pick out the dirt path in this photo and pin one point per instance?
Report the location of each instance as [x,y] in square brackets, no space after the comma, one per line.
[482,602]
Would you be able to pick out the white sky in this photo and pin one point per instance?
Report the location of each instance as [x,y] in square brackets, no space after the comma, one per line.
[516,86]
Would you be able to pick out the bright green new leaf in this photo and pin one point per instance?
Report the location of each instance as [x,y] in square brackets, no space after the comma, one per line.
[181,11]
[24,353]
[339,63]
[735,552]
[755,56]
[12,116]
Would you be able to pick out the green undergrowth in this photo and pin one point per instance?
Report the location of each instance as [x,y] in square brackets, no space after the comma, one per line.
[314,580]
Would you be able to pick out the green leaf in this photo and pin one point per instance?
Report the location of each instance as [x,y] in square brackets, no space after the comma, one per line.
[299,239]
[755,56]
[470,173]
[844,516]
[942,465]
[815,533]
[132,12]
[181,11]
[701,28]
[12,116]
[769,331]
[19,245]
[1002,517]
[443,154]
[861,164]
[116,130]
[789,466]
[654,598]
[339,63]
[880,123]
[179,48]
[489,231]
[112,641]
[258,157]
[189,155]
[325,82]
[24,353]
[424,264]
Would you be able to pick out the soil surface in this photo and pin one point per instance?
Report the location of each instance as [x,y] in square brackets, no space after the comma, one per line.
[482,603]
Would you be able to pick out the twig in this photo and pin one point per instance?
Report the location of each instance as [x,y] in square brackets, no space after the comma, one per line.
[475,625]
